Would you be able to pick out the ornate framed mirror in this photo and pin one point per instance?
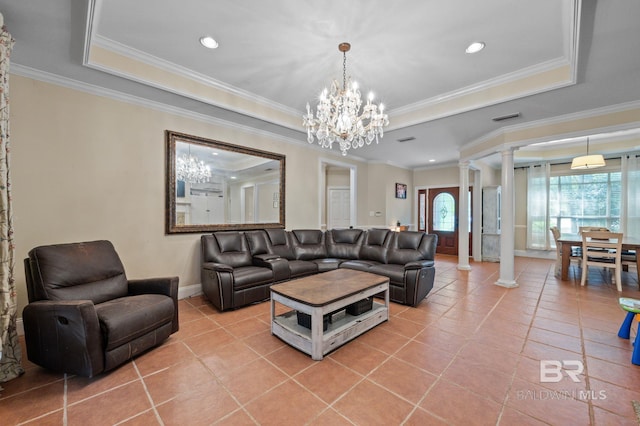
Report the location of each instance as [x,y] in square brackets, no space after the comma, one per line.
[213,185]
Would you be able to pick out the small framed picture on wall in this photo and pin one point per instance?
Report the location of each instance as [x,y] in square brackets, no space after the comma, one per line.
[401,190]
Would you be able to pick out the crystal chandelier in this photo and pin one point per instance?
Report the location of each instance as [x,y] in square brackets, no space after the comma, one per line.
[339,118]
[191,169]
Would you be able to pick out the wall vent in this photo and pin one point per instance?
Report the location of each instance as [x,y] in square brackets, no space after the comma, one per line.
[506,117]
[410,138]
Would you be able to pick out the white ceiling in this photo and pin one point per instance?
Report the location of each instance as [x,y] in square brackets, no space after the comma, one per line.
[275,56]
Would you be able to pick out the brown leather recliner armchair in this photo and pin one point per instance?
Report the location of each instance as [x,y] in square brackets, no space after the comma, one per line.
[84,316]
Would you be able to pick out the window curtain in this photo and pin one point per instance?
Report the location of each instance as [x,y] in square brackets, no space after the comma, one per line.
[10,353]
[537,207]
[630,211]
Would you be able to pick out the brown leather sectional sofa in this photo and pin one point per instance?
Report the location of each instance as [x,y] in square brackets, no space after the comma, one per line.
[238,267]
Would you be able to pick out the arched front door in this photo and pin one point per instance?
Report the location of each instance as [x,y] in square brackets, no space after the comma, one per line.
[443,218]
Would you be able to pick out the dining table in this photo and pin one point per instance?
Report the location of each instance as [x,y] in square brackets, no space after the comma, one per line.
[569,241]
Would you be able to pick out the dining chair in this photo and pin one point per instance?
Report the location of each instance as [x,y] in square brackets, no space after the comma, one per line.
[575,255]
[628,259]
[604,249]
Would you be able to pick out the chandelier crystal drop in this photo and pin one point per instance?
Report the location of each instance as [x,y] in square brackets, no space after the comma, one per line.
[191,169]
[338,117]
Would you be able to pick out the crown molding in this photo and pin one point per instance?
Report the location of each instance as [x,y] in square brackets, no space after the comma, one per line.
[91,89]
[489,84]
[574,116]
[172,68]
[445,165]
[92,39]
[570,60]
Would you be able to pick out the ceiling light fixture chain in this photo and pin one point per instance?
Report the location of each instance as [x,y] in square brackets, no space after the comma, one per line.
[338,117]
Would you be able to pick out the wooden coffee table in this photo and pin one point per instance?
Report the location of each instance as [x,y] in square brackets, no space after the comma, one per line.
[320,295]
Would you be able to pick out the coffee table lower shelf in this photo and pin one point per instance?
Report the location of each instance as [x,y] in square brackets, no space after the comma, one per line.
[340,331]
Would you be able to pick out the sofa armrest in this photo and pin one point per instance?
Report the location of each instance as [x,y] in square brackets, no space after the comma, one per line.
[278,265]
[218,267]
[167,286]
[419,264]
[265,257]
[64,336]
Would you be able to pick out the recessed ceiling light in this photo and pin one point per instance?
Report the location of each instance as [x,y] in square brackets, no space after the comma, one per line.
[208,42]
[432,161]
[475,47]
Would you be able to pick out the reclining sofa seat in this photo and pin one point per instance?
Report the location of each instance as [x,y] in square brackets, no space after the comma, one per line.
[405,257]
[322,249]
[373,250]
[230,275]
[84,316]
[309,245]
[343,245]
[410,266]
[273,244]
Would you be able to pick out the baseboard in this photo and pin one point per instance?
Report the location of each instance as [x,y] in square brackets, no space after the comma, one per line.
[183,293]
[538,254]
[189,291]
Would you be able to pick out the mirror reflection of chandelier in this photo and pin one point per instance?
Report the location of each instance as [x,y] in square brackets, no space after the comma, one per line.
[338,116]
[191,169]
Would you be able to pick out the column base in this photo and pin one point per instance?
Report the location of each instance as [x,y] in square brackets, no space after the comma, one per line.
[507,283]
[464,267]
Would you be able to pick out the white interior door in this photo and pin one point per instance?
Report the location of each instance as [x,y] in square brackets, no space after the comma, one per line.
[339,208]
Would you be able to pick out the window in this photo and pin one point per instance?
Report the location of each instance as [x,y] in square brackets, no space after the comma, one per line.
[607,197]
[444,213]
[592,199]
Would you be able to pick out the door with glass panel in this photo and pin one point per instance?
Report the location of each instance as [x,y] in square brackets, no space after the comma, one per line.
[443,218]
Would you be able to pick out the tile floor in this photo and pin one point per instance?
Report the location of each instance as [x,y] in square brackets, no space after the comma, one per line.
[468,354]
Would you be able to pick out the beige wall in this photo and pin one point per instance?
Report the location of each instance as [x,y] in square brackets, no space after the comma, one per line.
[437,177]
[86,167]
[399,209]
[387,209]
[338,177]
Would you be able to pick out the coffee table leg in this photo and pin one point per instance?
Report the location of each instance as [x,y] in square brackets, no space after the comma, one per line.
[316,334]
[386,300]
[273,311]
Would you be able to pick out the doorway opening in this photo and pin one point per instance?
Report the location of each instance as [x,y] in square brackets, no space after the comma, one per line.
[337,194]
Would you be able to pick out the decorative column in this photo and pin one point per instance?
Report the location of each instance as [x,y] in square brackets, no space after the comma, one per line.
[463,217]
[507,218]
[476,225]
